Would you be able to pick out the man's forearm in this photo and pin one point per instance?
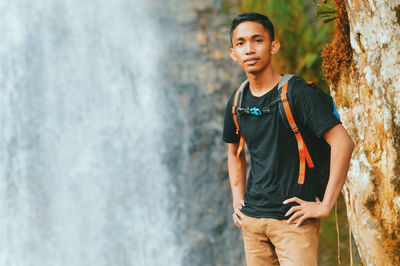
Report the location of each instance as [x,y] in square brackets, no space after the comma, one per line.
[341,149]
[237,191]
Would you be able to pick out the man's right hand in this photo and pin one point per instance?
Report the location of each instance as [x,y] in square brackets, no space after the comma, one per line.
[237,213]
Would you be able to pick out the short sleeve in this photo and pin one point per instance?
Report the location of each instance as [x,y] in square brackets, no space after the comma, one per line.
[229,132]
[315,114]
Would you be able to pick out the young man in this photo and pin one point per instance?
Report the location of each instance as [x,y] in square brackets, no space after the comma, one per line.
[279,217]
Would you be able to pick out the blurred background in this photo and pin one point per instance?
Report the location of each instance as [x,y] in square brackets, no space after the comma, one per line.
[111,115]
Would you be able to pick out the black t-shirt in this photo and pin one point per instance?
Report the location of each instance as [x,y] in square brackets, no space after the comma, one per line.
[273,148]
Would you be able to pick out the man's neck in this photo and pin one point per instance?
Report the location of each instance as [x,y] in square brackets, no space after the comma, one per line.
[263,82]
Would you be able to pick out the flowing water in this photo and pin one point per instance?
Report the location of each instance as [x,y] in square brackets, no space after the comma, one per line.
[82,181]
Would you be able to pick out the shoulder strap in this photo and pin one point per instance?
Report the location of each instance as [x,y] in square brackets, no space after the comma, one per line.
[284,80]
[304,155]
[238,102]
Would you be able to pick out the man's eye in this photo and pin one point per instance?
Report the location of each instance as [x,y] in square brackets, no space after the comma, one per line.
[239,43]
[258,40]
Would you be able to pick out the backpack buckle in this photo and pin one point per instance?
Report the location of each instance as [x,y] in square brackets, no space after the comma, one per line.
[255,111]
[295,129]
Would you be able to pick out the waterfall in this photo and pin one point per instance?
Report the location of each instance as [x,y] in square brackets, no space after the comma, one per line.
[82,180]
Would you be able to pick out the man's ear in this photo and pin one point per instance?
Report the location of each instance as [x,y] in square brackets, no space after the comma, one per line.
[232,54]
[275,47]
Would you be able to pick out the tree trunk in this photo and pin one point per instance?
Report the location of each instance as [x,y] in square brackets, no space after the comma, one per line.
[363,67]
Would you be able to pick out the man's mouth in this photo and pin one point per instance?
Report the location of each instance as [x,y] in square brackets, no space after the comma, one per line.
[251,61]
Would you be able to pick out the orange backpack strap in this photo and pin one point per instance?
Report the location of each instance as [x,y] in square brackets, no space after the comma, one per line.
[304,155]
[238,100]
[235,118]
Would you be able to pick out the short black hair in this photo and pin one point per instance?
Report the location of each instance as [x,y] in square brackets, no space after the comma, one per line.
[256,17]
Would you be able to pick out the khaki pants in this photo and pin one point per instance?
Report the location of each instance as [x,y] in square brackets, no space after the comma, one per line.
[270,241]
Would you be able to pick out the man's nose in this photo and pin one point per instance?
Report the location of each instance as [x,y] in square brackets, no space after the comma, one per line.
[249,48]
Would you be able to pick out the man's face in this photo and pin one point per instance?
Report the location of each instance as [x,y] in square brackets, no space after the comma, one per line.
[252,47]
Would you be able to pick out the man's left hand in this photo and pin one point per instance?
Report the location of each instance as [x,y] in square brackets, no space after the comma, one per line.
[305,210]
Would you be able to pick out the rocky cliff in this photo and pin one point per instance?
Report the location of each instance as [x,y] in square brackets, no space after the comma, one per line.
[200,77]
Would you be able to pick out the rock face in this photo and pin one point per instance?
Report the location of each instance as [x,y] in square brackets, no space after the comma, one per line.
[200,77]
[367,89]
[106,157]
